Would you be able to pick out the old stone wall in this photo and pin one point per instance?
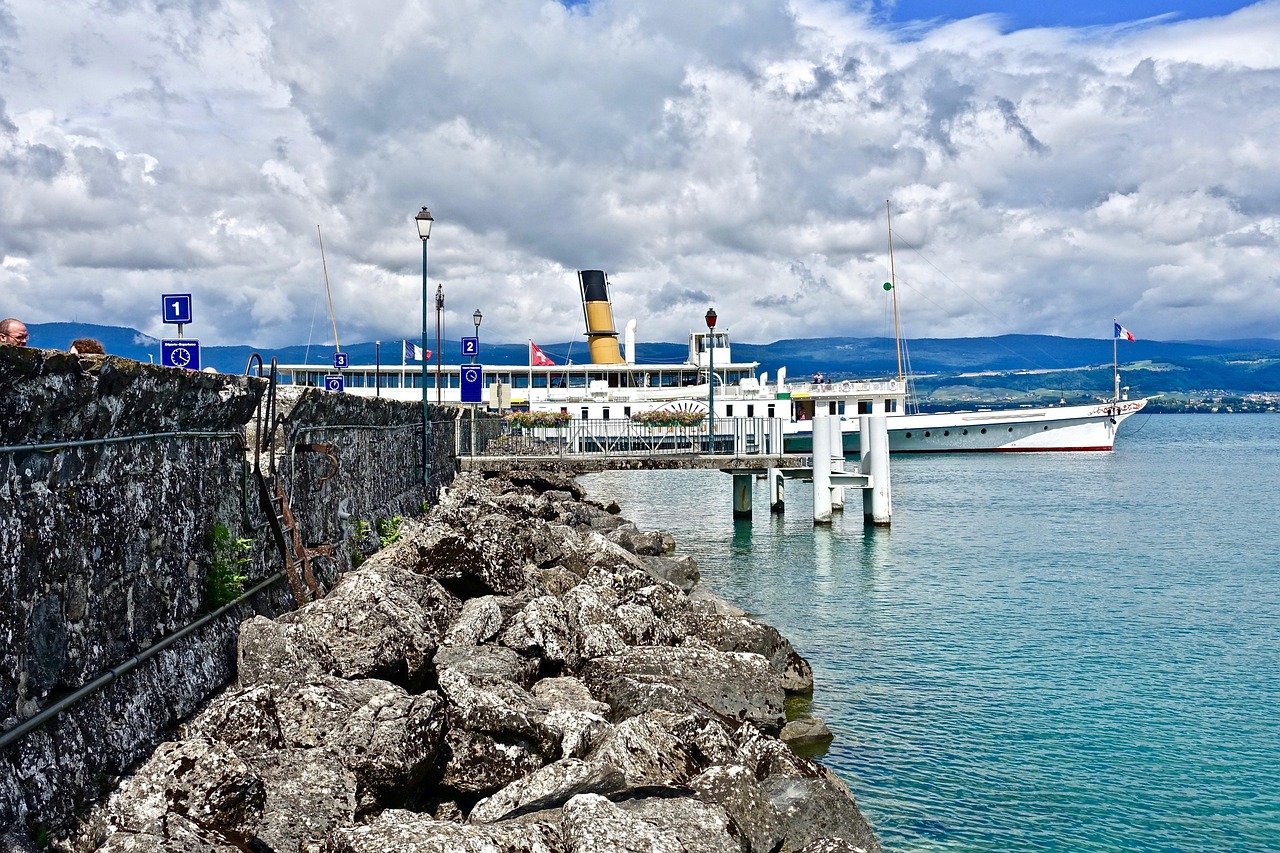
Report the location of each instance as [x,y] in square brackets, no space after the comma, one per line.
[112,476]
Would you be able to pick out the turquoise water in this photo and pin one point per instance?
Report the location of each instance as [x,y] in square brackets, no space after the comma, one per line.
[1076,652]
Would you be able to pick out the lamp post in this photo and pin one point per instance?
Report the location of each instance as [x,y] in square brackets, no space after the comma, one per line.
[475,407]
[377,368]
[425,220]
[711,380]
[439,308]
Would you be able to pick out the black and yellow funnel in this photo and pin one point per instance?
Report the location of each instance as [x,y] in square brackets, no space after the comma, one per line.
[601,336]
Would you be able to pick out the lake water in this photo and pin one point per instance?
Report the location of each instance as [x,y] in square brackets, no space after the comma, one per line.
[1076,652]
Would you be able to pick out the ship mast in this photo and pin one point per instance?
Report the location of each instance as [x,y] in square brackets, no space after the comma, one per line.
[893,288]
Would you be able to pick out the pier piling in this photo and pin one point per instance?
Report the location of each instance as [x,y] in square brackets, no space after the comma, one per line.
[821,469]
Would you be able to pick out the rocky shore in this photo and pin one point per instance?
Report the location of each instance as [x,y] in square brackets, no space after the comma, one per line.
[523,670]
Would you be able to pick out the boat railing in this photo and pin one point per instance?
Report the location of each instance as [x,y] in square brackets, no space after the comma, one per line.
[626,437]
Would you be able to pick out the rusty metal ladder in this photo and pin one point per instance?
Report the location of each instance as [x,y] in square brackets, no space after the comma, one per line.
[274,501]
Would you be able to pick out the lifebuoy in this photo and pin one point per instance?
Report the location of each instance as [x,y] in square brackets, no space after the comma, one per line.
[846,386]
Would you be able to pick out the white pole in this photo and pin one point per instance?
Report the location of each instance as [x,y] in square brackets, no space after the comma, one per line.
[837,462]
[777,500]
[821,469]
[881,493]
[864,460]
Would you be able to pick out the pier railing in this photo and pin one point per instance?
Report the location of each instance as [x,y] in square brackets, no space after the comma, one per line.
[625,437]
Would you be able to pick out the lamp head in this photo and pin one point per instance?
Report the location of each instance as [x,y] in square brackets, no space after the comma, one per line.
[476,318]
[424,220]
[711,319]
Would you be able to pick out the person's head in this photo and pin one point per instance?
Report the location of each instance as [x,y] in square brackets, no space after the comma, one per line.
[87,346]
[13,332]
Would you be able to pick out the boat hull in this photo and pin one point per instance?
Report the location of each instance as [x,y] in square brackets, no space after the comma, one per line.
[1040,430]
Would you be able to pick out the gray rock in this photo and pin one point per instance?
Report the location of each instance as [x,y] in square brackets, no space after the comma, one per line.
[652,543]
[580,731]
[381,621]
[738,685]
[309,793]
[478,764]
[806,731]
[664,749]
[549,787]
[736,789]
[484,660]
[569,693]
[681,572]
[831,845]
[202,781]
[740,634]
[592,824]
[176,834]
[542,629]
[480,620]
[408,832]
[699,826]
[275,652]
[819,807]
[386,737]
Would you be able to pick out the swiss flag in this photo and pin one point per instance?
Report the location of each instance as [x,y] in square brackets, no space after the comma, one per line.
[537,357]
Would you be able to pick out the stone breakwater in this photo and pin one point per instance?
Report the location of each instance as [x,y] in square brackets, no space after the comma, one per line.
[523,670]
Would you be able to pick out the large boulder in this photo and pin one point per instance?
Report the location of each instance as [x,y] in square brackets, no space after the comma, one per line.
[381,621]
[408,832]
[592,824]
[736,790]
[738,685]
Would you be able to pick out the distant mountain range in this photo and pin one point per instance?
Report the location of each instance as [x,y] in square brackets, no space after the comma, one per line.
[983,370]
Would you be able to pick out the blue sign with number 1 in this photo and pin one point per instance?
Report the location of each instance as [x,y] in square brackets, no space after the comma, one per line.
[176,308]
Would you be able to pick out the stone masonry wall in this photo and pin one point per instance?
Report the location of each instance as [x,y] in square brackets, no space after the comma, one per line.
[104,547]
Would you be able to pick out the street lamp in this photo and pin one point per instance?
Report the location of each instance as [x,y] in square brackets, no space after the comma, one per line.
[439,308]
[711,379]
[425,220]
[475,407]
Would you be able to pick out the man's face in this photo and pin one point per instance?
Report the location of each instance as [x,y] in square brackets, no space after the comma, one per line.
[16,334]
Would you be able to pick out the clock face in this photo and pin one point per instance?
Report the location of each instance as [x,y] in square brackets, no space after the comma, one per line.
[181,356]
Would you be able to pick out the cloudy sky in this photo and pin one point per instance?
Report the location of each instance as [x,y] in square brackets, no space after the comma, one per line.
[1049,166]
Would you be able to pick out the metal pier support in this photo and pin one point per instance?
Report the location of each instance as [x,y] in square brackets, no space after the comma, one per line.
[742,495]
[777,491]
[822,469]
[873,443]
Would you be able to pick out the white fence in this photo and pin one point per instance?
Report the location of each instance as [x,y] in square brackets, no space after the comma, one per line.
[625,437]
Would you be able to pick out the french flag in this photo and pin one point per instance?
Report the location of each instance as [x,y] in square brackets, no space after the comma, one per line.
[1122,332]
[413,352]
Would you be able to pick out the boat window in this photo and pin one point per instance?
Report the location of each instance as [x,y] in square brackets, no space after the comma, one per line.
[604,413]
[751,410]
[520,381]
[626,411]
[927,433]
[840,407]
[891,405]
[831,407]
[728,411]
[864,407]
[578,380]
[771,410]
[585,414]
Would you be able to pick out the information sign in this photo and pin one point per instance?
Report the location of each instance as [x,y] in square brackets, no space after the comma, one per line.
[341,361]
[333,382]
[180,354]
[176,308]
[472,383]
[470,347]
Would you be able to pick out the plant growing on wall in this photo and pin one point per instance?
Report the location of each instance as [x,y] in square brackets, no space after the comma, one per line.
[228,566]
[386,530]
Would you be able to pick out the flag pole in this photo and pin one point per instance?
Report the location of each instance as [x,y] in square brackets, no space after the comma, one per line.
[1115,365]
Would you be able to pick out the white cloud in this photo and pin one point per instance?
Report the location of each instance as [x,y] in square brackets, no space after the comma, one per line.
[735,154]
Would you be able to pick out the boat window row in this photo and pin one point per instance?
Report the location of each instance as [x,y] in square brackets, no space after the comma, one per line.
[414,379]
